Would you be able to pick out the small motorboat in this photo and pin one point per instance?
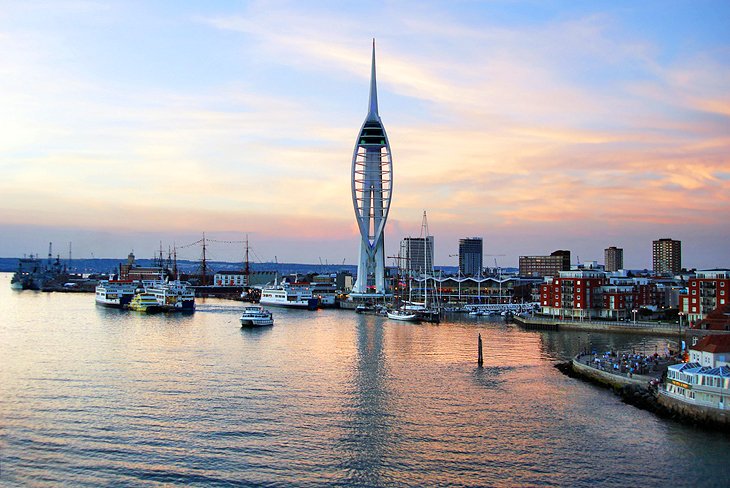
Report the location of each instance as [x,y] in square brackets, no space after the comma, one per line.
[256,316]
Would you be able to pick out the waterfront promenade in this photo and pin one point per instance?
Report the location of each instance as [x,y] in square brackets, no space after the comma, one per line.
[649,328]
[625,368]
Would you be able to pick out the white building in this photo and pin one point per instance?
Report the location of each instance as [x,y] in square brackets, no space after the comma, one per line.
[711,351]
[698,385]
[239,278]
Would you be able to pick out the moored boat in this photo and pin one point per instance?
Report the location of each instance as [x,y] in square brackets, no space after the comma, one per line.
[403,316]
[173,295]
[144,302]
[294,295]
[256,316]
[115,293]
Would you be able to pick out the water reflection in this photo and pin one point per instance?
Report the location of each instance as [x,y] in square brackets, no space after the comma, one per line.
[104,397]
[368,434]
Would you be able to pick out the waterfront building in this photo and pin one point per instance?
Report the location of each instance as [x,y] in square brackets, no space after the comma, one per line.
[622,295]
[491,290]
[371,180]
[697,385]
[706,291]
[344,281]
[614,258]
[711,351]
[241,278]
[545,265]
[471,256]
[416,255]
[576,293]
[130,271]
[667,256]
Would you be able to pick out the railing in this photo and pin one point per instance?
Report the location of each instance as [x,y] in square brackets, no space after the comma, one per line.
[610,323]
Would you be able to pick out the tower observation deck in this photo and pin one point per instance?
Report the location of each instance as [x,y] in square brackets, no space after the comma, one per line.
[372,183]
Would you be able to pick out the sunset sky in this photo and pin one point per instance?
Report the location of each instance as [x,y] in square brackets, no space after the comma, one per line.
[538,125]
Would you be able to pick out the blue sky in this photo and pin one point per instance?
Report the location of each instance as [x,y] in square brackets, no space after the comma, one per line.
[537,125]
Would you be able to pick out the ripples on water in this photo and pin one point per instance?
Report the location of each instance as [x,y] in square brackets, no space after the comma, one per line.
[93,396]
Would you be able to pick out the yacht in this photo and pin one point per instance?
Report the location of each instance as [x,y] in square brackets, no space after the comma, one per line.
[296,295]
[403,316]
[115,293]
[256,316]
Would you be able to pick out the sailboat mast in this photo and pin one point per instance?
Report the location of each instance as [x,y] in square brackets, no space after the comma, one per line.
[246,270]
[424,233]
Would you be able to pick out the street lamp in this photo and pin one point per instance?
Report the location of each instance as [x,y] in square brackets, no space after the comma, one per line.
[633,311]
[679,333]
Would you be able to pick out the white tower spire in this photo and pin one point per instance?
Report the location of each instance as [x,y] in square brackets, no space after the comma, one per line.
[373,104]
[372,171]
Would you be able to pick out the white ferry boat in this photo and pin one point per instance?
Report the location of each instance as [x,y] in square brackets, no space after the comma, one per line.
[296,295]
[172,295]
[115,293]
[256,316]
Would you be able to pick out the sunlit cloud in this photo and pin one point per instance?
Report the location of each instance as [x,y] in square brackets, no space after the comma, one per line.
[578,119]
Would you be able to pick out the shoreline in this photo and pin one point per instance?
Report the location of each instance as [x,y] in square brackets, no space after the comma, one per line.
[646,328]
[639,393]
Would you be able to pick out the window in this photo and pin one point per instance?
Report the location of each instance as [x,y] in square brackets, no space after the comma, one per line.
[694,300]
[694,292]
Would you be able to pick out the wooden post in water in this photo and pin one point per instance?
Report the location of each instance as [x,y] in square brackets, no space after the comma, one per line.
[480,358]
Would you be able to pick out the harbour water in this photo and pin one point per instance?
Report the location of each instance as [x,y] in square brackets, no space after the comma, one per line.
[92,396]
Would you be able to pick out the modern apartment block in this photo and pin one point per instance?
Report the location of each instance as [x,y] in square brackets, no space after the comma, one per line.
[545,265]
[708,290]
[416,255]
[471,256]
[614,258]
[573,294]
[667,256]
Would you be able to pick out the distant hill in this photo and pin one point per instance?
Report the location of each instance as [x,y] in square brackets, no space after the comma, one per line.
[111,265]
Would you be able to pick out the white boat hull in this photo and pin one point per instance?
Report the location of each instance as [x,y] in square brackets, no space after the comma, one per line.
[403,317]
[258,322]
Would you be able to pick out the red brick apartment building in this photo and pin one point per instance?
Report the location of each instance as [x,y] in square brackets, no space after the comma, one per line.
[708,290]
[589,294]
[573,294]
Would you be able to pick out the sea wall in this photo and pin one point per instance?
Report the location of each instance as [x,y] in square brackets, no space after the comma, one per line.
[609,379]
[697,414]
[637,392]
[645,328]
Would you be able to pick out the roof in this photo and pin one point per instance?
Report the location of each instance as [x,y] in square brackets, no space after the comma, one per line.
[713,344]
[722,371]
[685,366]
[718,319]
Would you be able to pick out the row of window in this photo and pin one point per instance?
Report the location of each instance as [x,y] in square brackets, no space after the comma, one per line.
[722,292]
